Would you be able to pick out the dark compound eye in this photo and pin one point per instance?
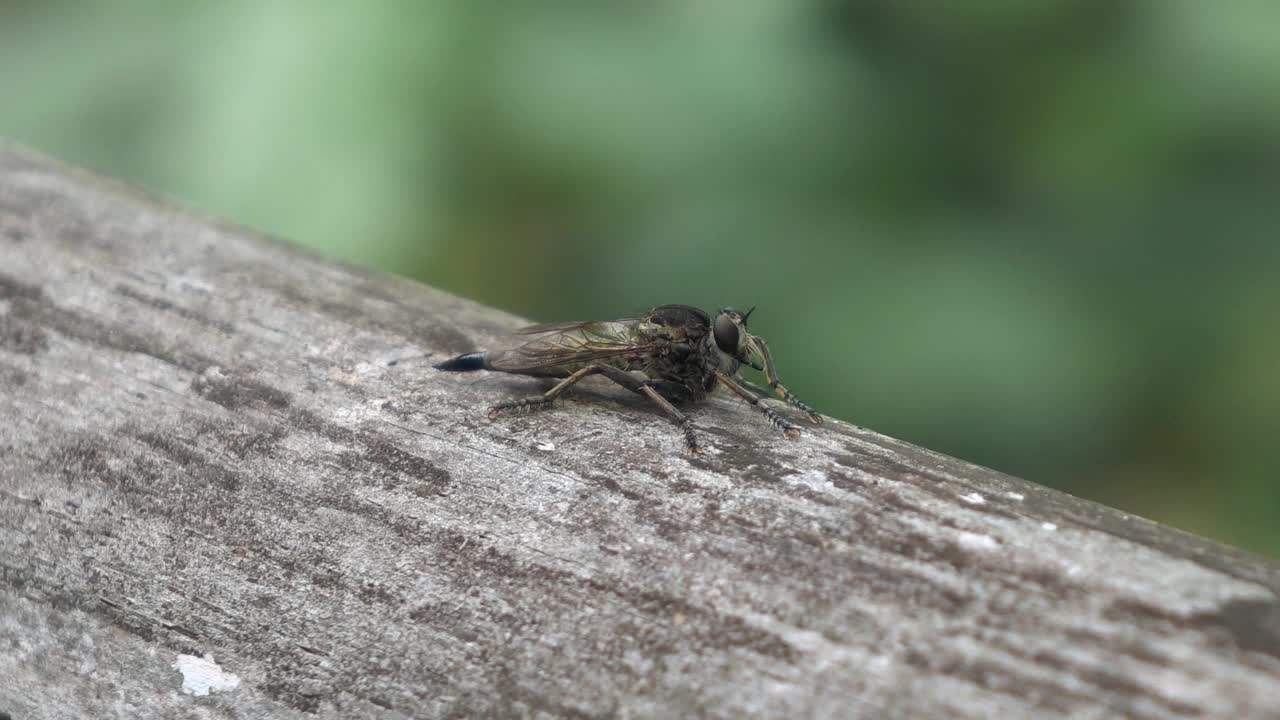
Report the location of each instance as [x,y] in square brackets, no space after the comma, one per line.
[726,332]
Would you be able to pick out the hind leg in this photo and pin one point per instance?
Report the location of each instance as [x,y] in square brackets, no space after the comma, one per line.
[543,401]
[623,378]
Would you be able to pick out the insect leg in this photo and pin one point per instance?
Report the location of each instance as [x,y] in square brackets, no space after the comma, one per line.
[763,392]
[543,401]
[772,373]
[630,382]
[791,431]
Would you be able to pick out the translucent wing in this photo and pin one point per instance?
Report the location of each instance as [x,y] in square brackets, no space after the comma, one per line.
[560,326]
[573,344]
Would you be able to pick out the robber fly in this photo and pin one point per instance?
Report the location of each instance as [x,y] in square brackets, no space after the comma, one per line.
[671,354]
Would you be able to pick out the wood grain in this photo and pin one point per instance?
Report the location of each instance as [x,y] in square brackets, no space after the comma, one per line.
[212,443]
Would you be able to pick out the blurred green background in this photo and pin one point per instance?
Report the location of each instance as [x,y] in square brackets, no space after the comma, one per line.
[1038,236]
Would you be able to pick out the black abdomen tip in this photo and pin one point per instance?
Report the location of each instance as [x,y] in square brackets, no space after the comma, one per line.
[462,363]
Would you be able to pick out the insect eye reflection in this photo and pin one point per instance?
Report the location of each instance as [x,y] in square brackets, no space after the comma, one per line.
[726,334]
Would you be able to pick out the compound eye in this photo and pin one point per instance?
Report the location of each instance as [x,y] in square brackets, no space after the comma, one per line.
[726,332]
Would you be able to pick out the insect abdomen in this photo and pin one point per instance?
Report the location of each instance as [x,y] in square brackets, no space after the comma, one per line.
[463,363]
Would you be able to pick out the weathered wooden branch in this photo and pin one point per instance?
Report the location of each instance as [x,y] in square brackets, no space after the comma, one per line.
[214,444]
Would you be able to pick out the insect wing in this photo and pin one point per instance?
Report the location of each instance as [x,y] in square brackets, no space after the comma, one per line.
[572,344]
[563,326]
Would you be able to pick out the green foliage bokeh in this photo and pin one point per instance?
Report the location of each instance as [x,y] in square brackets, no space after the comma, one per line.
[1038,236]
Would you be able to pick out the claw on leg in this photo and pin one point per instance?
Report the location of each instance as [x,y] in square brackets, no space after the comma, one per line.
[786,426]
[797,403]
[772,373]
[680,419]
[775,418]
[690,439]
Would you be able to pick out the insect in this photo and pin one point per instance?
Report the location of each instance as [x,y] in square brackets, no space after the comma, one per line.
[671,354]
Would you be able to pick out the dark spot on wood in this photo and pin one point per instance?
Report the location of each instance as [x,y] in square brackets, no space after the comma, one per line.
[445,338]
[14,289]
[31,305]
[748,462]
[337,495]
[682,485]
[654,513]
[817,497]
[848,461]
[13,227]
[372,309]
[897,502]
[920,476]
[847,482]
[92,458]
[1125,693]
[250,442]
[127,620]
[1253,624]
[285,690]
[204,471]
[237,391]
[169,307]
[702,626]
[308,421]
[60,217]
[396,467]
[328,579]
[21,337]
[1248,625]
[995,678]
[13,377]
[173,448]
[372,592]
[608,483]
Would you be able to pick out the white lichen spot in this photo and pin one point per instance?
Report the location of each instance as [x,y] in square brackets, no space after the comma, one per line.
[1048,526]
[974,499]
[1016,497]
[976,541]
[201,676]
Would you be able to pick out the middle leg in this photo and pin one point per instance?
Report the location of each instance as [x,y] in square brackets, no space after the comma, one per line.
[791,431]
[630,382]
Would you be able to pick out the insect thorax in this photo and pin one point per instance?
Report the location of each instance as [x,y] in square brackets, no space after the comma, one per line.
[690,364]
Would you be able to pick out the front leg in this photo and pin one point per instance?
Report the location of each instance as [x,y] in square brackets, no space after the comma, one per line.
[768,394]
[772,373]
[791,431]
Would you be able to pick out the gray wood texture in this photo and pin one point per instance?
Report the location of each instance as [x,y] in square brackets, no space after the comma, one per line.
[214,444]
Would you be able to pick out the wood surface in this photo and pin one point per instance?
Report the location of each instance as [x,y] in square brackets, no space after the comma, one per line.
[214,445]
